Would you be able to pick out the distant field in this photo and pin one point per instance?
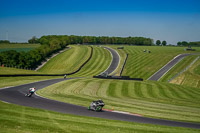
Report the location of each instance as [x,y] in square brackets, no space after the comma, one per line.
[143,65]
[152,99]
[68,61]
[18,47]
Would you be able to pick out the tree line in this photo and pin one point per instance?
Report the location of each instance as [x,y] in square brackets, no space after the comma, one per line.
[34,57]
[94,40]
[4,41]
[52,43]
[184,43]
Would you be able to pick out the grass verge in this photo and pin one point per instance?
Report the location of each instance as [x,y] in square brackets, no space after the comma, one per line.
[20,119]
[14,81]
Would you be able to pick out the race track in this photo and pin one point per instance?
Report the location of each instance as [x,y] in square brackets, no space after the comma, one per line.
[16,94]
[115,60]
[156,76]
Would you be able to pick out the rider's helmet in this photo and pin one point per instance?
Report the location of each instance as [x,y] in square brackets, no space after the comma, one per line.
[100,100]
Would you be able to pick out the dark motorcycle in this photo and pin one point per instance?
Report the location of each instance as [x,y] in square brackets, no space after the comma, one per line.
[96,105]
[29,94]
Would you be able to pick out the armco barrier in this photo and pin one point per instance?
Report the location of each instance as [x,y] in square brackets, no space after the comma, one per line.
[16,75]
[119,77]
[124,64]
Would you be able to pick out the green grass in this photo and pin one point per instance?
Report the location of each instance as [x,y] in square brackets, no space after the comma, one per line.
[8,70]
[18,47]
[191,77]
[197,69]
[152,99]
[178,68]
[143,65]
[14,81]
[20,119]
[68,61]
[99,62]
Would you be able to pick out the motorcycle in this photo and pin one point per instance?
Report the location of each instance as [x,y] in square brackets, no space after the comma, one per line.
[96,105]
[29,94]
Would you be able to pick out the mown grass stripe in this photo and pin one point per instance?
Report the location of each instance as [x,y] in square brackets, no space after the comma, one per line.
[161,91]
[151,91]
[125,90]
[137,89]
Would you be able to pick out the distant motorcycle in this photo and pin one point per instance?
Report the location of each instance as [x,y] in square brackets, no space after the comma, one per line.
[30,92]
[96,105]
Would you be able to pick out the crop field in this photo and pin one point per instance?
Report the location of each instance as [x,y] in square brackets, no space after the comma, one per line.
[68,61]
[143,64]
[152,99]
[18,47]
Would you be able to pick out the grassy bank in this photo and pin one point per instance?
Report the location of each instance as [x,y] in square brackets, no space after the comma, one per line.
[142,64]
[191,77]
[68,61]
[99,62]
[152,99]
[20,119]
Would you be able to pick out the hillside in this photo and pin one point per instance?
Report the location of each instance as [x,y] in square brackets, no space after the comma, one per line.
[142,64]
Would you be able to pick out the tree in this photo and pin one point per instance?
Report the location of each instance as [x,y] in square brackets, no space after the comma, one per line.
[179,43]
[33,40]
[184,43]
[164,43]
[4,41]
[158,42]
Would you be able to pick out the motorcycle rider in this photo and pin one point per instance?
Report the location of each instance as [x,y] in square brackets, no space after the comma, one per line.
[32,90]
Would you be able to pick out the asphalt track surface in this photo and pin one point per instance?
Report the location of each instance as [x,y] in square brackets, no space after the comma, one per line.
[167,67]
[16,95]
[115,60]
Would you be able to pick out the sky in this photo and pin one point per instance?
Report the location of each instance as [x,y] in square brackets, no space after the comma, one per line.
[170,20]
